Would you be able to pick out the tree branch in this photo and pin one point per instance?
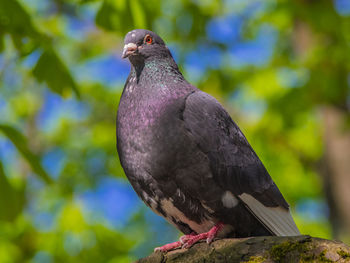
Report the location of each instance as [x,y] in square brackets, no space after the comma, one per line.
[258,249]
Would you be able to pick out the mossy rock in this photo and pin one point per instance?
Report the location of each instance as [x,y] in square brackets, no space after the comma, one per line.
[257,250]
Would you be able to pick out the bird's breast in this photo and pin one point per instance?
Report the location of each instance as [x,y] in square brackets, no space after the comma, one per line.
[140,130]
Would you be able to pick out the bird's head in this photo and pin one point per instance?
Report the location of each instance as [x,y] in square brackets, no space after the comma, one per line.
[141,44]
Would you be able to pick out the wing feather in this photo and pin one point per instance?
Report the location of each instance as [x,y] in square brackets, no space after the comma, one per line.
[234,164]
[277,220]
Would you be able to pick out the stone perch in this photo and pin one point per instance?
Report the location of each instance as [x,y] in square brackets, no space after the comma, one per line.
[258,249]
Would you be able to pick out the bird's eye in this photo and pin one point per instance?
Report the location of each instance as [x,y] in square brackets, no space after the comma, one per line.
[148,39]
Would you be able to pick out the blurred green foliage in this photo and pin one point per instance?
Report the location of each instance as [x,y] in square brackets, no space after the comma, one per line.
[55,100]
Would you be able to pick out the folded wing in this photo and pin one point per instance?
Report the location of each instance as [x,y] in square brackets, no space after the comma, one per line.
[234,164]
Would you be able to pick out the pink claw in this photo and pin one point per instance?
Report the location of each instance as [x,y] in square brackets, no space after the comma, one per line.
[188,241]
[185,238]
[209,236]
[168,247]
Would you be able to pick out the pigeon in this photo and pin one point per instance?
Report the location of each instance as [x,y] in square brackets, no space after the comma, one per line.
[186,158]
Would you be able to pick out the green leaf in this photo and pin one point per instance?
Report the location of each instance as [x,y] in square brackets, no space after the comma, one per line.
[20,143]
[138,14]
[51,70]
[115,16]
[11,200]
[107,17]
[15,19]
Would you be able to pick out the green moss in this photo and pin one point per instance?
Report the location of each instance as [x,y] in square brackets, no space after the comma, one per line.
[256,259]
[323,257]
[307,258]
[343,254]
[279,252]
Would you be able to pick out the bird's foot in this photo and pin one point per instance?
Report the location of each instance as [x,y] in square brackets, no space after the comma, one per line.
[190,240]
[185,238]
[174,245]
[168,247]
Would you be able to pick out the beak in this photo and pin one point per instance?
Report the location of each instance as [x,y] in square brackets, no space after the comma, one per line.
[129,49]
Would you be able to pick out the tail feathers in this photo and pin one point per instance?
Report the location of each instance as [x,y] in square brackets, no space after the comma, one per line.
[277,220]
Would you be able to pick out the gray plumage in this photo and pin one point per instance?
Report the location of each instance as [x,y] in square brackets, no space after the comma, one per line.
[184,155]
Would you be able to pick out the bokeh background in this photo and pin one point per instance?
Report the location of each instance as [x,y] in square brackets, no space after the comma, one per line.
[281,68]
